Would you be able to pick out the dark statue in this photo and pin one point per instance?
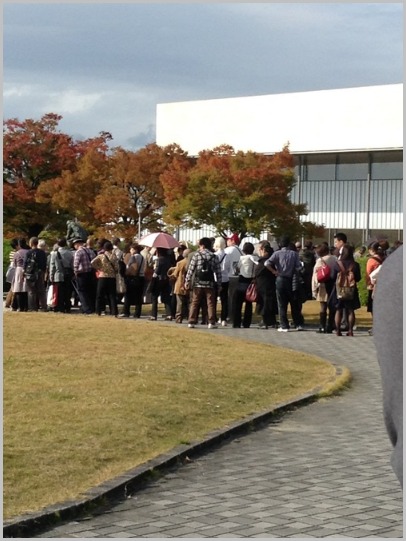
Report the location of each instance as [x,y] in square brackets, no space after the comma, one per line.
[75,230]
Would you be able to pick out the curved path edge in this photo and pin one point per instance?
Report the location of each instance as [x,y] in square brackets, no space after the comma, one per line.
[120,487]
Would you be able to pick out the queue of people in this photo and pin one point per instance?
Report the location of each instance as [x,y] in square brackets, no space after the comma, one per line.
[210,283]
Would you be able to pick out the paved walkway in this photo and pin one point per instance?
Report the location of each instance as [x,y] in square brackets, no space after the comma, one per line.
[323,471]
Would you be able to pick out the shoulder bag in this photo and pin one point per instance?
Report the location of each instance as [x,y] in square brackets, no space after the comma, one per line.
[251,295]
[345,283]
[120,282]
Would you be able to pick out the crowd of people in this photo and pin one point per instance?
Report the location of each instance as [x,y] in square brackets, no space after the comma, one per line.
[209,284]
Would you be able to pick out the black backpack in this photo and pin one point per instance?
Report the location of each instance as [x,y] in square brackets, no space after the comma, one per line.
[31,268]
[206,274]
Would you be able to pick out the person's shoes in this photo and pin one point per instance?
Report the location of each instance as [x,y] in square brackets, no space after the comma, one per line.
[212,326]
[350,333]
[168,318]
[224,323]
[299,328]
[281,329]
[152,318]
[123,315]
[339,333]
[191,326]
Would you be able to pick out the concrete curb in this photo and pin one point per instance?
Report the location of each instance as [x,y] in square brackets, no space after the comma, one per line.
[121,487]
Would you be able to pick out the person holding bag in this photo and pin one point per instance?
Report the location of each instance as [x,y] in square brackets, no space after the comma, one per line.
[322,290]
[246,268]
[346,264]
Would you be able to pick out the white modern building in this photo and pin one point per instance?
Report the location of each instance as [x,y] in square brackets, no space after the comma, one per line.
[347,144]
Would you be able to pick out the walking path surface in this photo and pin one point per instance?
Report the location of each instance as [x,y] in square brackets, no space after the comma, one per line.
[322,471]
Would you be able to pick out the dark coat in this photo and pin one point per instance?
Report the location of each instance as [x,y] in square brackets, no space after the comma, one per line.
[267,304]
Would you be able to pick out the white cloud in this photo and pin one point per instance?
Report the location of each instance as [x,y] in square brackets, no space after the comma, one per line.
[17,91]
[71,102]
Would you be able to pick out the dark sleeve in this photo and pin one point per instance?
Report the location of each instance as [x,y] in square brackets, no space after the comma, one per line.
[217,269]
[357,272]
[27,254]
[42,261]
[388,338]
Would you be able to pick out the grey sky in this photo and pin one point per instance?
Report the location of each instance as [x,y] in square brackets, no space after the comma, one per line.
[105,66]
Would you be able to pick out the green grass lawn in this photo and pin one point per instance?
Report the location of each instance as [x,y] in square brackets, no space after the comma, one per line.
[86,399]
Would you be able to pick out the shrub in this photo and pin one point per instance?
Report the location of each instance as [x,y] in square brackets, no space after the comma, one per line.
[362,288]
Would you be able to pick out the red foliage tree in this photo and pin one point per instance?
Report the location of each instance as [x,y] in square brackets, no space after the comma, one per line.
[35,151]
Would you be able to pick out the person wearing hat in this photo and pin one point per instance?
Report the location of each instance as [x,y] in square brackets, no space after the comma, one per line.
[233,253]
[85,277]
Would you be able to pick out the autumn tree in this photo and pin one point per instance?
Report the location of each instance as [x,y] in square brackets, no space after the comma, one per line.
[235,191]
[106,191]
[133,185]
[36,151]
[74,193]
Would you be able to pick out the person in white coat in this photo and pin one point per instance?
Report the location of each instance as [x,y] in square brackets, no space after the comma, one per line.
[234,253]
[225,264]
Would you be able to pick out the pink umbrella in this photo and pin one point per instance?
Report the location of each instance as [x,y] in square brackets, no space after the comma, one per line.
[159,240]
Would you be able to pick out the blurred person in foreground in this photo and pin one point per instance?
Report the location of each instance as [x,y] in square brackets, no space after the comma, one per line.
[388,338]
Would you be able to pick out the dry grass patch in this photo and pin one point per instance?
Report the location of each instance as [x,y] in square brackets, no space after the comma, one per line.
[86,399]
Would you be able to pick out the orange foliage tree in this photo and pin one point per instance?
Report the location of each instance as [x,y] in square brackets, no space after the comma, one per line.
[106,191]
[239,191]
[133,189]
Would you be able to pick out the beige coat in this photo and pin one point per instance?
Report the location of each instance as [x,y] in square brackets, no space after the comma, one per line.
[178,274]
[319,290]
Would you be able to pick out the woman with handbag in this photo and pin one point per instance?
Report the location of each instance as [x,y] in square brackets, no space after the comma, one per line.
[344,265]
[322,289]
[246,271]
[106,265]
